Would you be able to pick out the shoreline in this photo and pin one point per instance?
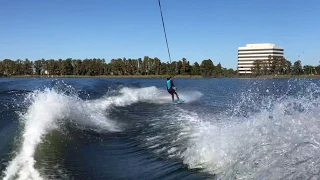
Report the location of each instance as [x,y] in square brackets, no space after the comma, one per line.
[165,76]
[104,76]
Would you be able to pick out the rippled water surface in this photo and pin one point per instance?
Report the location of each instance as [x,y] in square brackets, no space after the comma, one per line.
[113,128]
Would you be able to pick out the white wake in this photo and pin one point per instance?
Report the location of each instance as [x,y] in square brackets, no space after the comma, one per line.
[278,142]
[49,108]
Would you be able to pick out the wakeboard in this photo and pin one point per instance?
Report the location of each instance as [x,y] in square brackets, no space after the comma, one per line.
[178,101]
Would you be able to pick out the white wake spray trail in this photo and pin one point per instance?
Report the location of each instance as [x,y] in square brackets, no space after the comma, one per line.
[49,108]
[274,143]
[39,119]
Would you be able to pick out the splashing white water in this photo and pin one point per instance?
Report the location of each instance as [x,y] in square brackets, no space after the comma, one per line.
[247,148]
[187,96]
[49,109]
[278,142]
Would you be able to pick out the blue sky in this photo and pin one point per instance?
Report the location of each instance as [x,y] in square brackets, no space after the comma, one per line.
[196,29]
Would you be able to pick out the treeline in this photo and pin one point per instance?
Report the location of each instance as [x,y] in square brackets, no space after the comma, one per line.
[116,67]
[282,66]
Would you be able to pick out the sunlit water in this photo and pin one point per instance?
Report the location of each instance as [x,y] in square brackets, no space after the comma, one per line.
[95,128]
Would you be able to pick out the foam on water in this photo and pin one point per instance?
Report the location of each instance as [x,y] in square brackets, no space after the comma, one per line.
[188,96]
[49,109]
[281,140]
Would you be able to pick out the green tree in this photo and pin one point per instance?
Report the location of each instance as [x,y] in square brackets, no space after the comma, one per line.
[256,68]
[38,67]
[207,67]
[119,66]
[196,69]
[297,67]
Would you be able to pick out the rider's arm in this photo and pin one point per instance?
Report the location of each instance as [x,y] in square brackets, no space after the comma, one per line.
[172,85]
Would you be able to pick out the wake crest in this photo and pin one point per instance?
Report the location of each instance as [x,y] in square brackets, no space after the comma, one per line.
[50,108]
[279,140]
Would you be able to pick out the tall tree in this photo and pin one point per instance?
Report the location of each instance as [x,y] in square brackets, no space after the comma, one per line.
[297,67]
[207,67]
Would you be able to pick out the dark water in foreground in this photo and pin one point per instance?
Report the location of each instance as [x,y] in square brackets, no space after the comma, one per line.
[102,128]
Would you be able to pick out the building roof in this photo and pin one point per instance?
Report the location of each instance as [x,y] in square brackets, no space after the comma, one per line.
[261,46]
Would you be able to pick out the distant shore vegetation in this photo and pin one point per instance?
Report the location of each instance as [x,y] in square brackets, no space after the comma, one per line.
[149,67]
[146,66]
[281,67]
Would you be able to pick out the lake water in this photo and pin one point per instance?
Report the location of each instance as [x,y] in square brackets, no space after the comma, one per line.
[114,128]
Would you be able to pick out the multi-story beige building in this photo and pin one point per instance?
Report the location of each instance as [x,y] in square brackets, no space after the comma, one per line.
[251,52]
